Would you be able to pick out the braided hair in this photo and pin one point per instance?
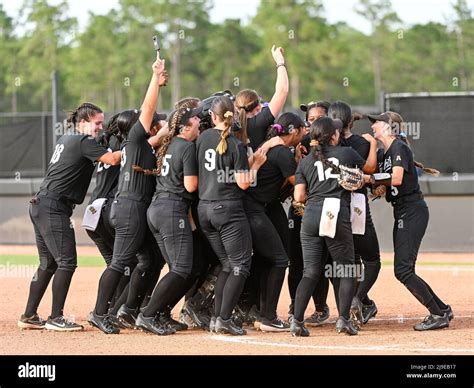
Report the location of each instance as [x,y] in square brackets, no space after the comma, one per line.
[223,107]
[174,127]
[397,125]
[85,111]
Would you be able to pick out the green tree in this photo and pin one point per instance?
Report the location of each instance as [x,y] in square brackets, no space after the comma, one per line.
[382,18]
[49,33]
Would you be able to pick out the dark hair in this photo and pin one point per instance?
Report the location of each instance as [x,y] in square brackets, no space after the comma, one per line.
[321,132]
[342,111]
[173,125]
[85,111]
[324,105]
[110,129]
[285,124]
[126,120]
[223,107]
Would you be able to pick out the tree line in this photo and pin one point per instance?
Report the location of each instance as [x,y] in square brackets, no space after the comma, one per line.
[109,61]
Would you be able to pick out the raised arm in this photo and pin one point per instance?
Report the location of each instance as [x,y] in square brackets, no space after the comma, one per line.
[281,88]
[158,79]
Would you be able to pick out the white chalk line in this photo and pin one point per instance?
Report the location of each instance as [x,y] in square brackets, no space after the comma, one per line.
[398,348]
[251,341]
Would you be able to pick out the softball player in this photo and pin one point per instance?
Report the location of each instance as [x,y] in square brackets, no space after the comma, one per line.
[168,215]
[411,215]
[128,212]
[223,173]
[322,188]
[106,187]
[279,168]
[313,111]
[65,185]
[366,246]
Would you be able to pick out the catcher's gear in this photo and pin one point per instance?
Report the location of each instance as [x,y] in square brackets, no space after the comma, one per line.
[350,179]
[298,208]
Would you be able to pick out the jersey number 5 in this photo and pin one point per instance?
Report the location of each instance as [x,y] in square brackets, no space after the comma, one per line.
[210,156]
[326,174]
[165,168]
[57,153]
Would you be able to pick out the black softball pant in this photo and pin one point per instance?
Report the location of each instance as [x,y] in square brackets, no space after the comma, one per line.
[226,226]
[341,249]
[295,269]
[169,223]
[367,249]
[104,234]
[54,233]
[133,237]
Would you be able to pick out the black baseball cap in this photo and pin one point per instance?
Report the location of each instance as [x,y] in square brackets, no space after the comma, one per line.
[381,117]
[189,112]
[157,117]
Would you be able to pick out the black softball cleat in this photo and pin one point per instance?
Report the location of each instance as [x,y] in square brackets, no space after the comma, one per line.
[297,328]
[344,325]
[433,322]
[103,323]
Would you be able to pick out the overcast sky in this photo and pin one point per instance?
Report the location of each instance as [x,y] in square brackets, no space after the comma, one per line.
[409,11]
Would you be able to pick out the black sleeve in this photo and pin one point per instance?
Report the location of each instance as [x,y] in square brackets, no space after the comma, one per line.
[355,158]
[380,153]
[363,148]
[299,175]
[92,150]
[190,165]
[401,155]
[114,144]
[286,162]
[257,126]
[241,162]
[138,134]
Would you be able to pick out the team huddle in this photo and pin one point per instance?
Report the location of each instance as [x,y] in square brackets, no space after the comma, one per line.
[202,190]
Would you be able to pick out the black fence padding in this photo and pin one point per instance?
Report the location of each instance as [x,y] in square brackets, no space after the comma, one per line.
[446,126]
[26,144]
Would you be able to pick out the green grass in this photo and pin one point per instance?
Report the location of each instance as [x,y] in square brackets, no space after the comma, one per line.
[82,261]
[97,261]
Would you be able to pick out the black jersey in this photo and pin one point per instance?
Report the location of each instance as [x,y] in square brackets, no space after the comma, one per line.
[216,172]
[137,151]
[71,166]
[107,175]
[320,180]
[362,147]
[257,127]
[399,155]
[178,162]
[280,164]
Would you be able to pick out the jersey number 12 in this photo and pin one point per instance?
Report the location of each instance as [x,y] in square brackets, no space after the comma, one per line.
[326,174]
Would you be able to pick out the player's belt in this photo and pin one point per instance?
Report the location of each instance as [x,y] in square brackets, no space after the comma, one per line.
[408,198]
[171,196]
[56,197]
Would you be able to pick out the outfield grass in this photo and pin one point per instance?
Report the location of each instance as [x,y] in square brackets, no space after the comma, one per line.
[97,261]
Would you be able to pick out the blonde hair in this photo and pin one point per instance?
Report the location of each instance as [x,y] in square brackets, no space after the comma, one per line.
[245,101]
[223,108]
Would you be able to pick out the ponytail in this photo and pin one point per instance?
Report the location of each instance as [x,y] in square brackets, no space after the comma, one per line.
[228,119]
[321,132]
[111,129]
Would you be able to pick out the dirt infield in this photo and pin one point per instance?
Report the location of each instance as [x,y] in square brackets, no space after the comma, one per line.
[390,333]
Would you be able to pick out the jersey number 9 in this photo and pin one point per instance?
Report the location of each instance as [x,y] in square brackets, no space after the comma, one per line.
[210,156]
